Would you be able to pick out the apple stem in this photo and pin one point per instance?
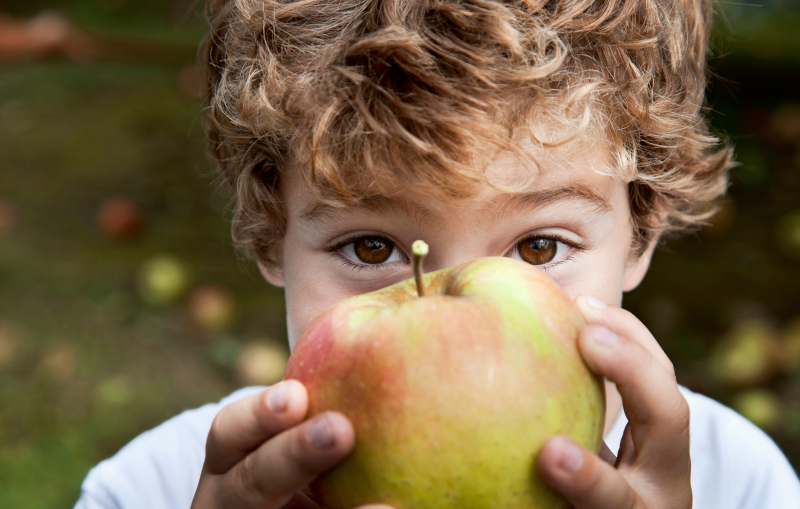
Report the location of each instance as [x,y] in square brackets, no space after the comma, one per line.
[419,248]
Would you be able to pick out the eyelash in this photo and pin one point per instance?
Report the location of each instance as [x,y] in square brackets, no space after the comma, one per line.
[576,248]
[335,250]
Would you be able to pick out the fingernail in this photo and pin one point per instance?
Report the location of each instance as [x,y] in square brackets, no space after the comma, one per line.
[278,398]
[595,302]
[321,435]
[571,457]
[604,337]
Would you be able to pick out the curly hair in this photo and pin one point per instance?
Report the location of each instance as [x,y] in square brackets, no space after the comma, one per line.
[362,95]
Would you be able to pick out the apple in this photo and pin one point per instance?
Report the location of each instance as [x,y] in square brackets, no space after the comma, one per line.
[162,280]
[61,362]
[211,307]
[120,218]
[750,354]
[8,217]
[453,381]
[261,362]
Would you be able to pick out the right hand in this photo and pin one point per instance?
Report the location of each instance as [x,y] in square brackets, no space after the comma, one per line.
[654,465]
[262,453]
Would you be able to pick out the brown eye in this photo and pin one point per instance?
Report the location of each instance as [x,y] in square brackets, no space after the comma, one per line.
[373,249]
[537,251]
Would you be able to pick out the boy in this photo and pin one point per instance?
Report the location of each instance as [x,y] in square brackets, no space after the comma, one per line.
[565,134]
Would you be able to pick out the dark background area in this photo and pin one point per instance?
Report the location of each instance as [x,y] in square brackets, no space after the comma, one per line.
[123,303]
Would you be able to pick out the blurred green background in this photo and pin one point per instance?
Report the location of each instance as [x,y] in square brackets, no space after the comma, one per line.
[123,302]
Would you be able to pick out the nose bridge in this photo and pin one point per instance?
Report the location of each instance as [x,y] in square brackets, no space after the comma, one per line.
[458,244]
[458,234]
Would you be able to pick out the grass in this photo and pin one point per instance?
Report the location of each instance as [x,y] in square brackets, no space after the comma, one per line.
[93,364]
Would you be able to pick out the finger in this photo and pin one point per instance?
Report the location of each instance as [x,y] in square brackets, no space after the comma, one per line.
[309,495]
[623,322]
[584,479]
[290,460]
[606,454]
[299,500]
[656,410]
[302,498]
[242,426]
[627,449]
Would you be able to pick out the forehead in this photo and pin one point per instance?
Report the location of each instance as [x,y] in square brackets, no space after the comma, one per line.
[532,176]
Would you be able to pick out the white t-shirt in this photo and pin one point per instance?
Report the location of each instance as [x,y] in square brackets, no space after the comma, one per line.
[734,464]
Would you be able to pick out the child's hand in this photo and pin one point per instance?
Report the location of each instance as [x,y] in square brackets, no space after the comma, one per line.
[653,468]
[261,452]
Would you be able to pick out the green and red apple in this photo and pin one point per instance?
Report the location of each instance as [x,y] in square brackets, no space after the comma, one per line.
[452,394]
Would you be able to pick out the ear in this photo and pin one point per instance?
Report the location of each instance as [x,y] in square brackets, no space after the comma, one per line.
[637,268]
[273,274]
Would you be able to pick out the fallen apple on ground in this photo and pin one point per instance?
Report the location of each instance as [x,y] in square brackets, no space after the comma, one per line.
[211,307]
[162,280]
[261,362]
[120,218]
[749,355]
[452,394]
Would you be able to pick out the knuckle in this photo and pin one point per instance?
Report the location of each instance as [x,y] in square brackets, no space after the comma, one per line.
[249,480]
[682,415]
[674,421]
[217,425]
[215,434]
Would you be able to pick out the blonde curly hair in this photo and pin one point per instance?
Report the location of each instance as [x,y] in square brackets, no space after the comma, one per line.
[362,95]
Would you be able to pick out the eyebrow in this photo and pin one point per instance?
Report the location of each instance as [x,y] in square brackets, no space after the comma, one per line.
[321,212]
[536,199]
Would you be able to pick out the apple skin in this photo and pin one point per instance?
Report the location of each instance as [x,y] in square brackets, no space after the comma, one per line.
[452,395]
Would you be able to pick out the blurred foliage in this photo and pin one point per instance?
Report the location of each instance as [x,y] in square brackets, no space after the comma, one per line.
[165,20]
[765,31]
[89,357]
[123,302]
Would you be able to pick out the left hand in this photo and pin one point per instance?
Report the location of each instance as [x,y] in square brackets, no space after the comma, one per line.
[653,469]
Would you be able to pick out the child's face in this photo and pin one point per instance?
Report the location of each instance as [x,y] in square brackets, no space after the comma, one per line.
[570,221]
